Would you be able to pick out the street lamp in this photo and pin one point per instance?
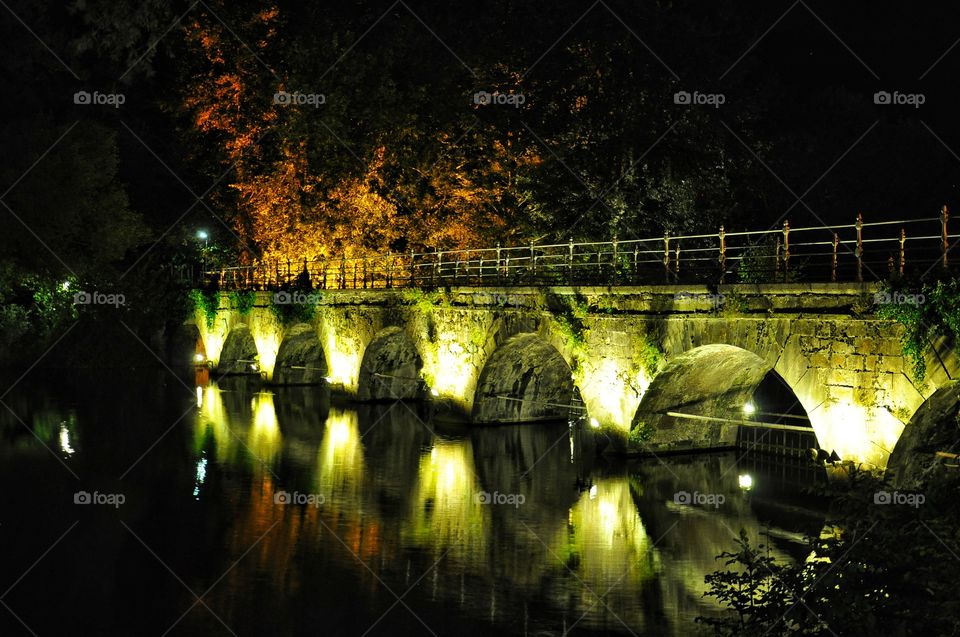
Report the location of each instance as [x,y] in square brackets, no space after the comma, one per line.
[203,236]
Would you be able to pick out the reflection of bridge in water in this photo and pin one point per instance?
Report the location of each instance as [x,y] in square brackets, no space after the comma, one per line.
[408,500]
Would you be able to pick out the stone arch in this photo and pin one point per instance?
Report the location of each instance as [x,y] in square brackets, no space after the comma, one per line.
[525,379]
[239,353]
[300,358]
[932,428]
[390,369]
[709,380]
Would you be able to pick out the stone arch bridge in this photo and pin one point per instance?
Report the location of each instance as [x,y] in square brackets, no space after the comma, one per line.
[630,354]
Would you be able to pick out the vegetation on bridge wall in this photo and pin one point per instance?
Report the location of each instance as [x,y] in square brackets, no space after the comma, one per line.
[926,310]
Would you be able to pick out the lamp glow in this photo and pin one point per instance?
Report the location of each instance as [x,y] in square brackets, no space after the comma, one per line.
[199,358]
[594,423]
[749,408]
[434,392]
[745,481]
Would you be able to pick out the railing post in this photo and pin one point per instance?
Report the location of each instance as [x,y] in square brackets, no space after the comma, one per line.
[389,283]
[636,253]
[343,272]
[723,254]
[776,260]
[533,262]
[859,247]
[903,252]
[616,262]
[440,266]
[676,261]
[666,257]
[413,277]
[324,275]
[836,244]
[786,250]
[498,262]
[354,274]
[570,263]
[365,274]
[944,217]
[288,272]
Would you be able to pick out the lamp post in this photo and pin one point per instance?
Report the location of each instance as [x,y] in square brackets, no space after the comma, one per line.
[203,236]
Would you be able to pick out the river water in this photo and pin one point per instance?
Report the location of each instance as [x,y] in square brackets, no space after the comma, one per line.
[138,505]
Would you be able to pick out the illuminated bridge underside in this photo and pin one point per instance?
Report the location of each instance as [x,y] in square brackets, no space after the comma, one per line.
[708,380]
[521,360]
[525,379]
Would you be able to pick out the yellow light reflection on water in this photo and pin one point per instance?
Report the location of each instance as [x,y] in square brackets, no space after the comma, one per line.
[607,537]
[341,464]
[264,439]
[448,513]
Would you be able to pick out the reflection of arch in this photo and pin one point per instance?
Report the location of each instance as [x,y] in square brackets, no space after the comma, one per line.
[300,359]
[931,429]
[390,369]
[710,380]
[525,379]
[239,352]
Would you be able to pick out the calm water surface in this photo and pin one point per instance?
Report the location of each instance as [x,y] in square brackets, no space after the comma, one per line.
[232,510]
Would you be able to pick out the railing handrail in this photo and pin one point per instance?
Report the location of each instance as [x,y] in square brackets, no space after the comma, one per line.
[618,261]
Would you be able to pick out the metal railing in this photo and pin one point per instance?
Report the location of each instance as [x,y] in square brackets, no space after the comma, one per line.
[857,251]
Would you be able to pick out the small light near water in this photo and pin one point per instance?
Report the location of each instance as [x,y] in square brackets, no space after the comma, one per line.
[594,423]
[745,480]
[328,379]
[749,408]
[65,440]
[199,358]
[201,476]
[593,492]
[199,396]
[434,392]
